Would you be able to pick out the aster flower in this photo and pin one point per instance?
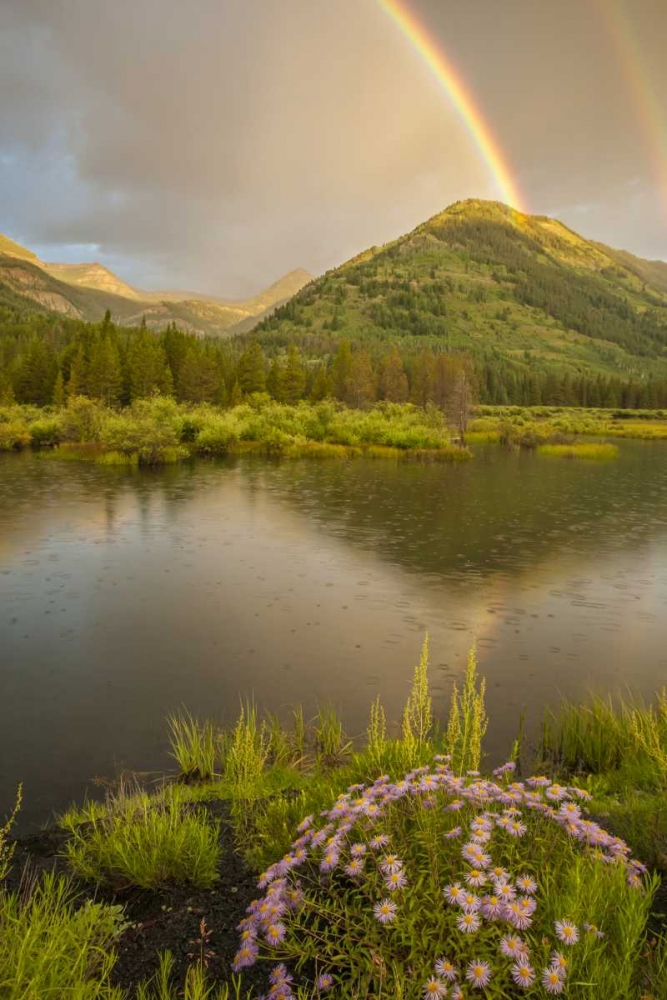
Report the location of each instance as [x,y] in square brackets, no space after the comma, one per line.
[395,880]
[453,833]
[523,974]
[454,893]
[390,863]
[479,974]
[324,982]
[355,867]
[381,840]
[357,850]
[517,917]
[279,975]
[457,993]
[385,911]
[476,877]
[275,933]
[329,860]
[446,969]
[593,929]
[552,980]
[512,946]
[469,923]
[516,828]
[245,956]
[526,884]
[434,987]
[566,931]
[559,961]
[505,891]
[492,907]
[470,903]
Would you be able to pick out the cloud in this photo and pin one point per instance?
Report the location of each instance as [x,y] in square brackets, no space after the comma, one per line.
[217,144]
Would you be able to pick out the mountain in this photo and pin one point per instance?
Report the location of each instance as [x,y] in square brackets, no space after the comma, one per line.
[86,291]
[503,286]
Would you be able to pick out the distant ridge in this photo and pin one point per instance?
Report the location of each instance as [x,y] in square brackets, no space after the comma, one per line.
[86,291]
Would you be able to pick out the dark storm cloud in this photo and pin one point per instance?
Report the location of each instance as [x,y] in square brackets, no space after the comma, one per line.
[217,144]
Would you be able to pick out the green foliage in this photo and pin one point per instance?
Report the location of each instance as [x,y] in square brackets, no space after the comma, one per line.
[468,721]
[146,842]
[598,452]
[193,746]
[376,735]
[51,945]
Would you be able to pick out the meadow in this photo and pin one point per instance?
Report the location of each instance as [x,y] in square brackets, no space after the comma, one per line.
[394,865]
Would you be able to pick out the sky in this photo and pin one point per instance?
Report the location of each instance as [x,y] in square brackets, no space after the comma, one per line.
[217,144]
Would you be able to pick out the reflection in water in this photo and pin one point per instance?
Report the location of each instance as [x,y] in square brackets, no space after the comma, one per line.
[126,593]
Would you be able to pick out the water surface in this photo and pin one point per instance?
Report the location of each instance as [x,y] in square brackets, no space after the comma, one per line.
[126,593]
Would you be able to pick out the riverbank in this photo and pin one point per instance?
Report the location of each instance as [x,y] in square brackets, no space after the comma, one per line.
[183,859]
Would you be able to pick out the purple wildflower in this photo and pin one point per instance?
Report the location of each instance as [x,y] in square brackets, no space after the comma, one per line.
[469,923]
[523,974]
[552,980]
[512,946]
[434,987]
[381,840]
[526,884]
[385,911]
[566,931]
[275,934]
[446,969]
[390,863]
[324,982]
[396,880]
[479,974]
[245,956]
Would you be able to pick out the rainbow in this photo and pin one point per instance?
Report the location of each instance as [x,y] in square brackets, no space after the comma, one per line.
[452,84]
[648,107]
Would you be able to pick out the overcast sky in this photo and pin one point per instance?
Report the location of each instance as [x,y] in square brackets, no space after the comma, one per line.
[216,144]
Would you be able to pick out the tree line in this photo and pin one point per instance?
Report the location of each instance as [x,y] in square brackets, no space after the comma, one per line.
[46,362]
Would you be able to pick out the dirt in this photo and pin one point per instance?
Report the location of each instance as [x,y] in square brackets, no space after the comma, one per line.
[166,919]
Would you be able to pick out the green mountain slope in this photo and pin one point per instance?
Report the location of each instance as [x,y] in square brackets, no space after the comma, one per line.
[86,291]
[502,286]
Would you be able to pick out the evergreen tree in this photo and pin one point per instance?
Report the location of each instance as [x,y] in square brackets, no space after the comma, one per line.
[292,381]
[341,369]
[199,379]
[147,365]
[251,370]
[104,379]
[58,396]
[321,386]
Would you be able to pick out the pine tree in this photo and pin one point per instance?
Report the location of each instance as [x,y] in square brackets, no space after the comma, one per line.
[321,386]
[103,374]
[251,370]
[199,378]
[58,396]
[147,364]
[292,381]
[361,382]
[341,369]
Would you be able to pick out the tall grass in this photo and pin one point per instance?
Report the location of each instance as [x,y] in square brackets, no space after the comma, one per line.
[468,721]
[418,713]
[247,752]
[146,842]
[54,948]
[589,450]
[193,746]
[331,744]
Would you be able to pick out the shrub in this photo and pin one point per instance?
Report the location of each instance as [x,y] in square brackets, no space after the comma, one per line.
[46,433]
[434,884]
[51,946]
[147,842]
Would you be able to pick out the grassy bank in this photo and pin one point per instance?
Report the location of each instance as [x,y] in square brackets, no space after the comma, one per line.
[160,431]
[362,850]
[530,427]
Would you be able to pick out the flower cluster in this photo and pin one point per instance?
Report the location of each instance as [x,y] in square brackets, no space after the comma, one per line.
[491,911]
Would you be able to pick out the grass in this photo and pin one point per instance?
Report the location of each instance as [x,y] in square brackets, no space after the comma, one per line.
[53,947]
[589,450]
[194,746]
[146,842]
[197,985]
